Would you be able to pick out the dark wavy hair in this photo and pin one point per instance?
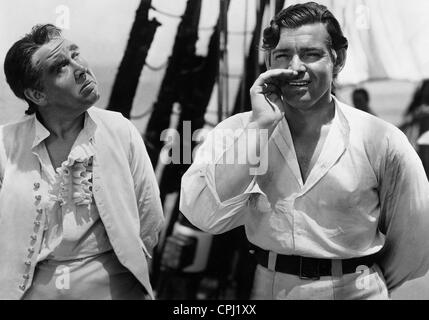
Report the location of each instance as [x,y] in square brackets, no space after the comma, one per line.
[20,72]
[298,15]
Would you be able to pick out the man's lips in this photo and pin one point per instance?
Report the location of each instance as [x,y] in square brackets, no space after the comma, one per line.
[299,83]
[87,84]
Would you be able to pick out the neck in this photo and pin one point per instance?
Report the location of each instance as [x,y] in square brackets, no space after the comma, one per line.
[312,119]
[60,126]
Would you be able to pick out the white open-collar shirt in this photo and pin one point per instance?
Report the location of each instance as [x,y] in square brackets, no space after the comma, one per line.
[366,193]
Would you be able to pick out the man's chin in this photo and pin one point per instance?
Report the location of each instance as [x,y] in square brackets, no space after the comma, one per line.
[97,97]
[89,103]
[93,98]
[300,102]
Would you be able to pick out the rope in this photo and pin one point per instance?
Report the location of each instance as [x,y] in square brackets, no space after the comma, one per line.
[171,15]
[229,75]
[234,32]
[206,28]
[144,114]
[158,68]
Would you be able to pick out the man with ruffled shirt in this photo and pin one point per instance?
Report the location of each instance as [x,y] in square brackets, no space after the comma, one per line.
[79,203]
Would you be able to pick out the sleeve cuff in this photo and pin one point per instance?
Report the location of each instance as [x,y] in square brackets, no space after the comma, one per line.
[208,172]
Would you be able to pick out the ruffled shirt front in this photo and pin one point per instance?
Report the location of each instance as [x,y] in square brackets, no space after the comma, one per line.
[73,228]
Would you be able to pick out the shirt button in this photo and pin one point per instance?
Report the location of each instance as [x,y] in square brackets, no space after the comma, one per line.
[39,211]
[37,223]
[38,197]
[28,263]
[33,237]
[26,276]
[22,287]
[36,185]
[31,249]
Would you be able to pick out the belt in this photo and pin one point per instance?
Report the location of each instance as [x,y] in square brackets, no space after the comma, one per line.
[311,268]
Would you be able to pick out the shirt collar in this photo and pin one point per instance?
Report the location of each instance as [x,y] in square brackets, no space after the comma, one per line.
[41,133]
[335,144]
[339,122]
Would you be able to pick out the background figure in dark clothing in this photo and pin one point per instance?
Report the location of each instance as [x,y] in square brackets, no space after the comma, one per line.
[416,121]
[360,97]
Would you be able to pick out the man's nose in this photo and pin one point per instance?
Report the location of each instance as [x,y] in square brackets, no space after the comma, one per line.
[80,72]
[296,64]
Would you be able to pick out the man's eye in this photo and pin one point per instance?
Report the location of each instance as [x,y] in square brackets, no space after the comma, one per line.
[61,66]
[75,55]
[281,56]
[312,54]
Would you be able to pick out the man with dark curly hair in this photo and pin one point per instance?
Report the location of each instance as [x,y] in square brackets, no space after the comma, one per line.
[337,203]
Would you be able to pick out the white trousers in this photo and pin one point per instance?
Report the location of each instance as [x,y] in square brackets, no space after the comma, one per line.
[365,284]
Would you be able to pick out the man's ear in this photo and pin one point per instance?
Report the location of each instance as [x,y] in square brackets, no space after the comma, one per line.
[340,60]
[267,58]
[35,96]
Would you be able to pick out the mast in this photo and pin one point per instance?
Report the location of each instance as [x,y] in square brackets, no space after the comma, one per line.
[127,78]
[223,83]
[252,67]
[182,56]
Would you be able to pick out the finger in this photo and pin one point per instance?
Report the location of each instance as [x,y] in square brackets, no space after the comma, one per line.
[269,88]
[275,101]
[276,76]
[272,105]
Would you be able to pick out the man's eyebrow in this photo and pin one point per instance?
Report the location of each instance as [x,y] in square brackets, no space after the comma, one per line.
[281,50]
[305,49]
[313,49]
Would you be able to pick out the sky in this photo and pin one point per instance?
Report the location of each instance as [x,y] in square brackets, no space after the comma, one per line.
[96,25]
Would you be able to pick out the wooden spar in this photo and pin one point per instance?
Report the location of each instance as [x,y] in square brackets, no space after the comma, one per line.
[174,80]
[127,78]
[223,82]
[275,7]
[252,67]
[279,5]
[244,75]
